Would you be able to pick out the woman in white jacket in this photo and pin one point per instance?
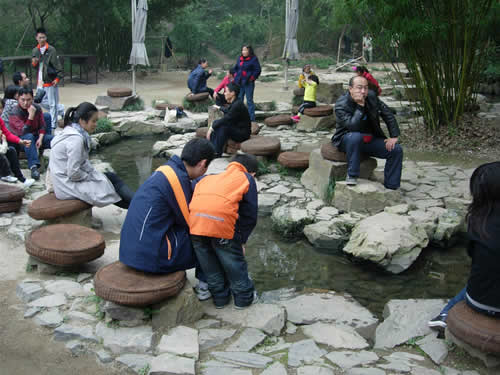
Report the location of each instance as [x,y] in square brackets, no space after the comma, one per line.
[72,174]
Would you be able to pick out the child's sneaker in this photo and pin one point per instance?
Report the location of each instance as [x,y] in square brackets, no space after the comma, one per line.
[438,323]
[10,179]
[296,118]
[28,182]
[202,292]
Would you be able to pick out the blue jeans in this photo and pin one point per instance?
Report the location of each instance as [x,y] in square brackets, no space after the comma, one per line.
[461,296]
[48,123]
[51,102]
[352,144]
[247,90]
[32,151]
[224,265]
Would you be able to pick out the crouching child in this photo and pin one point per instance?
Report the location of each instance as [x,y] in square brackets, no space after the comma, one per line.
[223,213]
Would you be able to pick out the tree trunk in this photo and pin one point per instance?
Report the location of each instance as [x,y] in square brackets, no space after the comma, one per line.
[340,42]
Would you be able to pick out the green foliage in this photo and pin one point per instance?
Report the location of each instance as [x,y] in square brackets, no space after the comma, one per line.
[284,171]
[330,190]
[273,106]
[104,125]
[113,323]
[263,168]
[137,105]
[99,314]
[30,268]
[197,107]
[144,370]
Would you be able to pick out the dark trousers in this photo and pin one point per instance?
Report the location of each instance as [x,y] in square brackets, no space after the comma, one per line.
[32,151]
[4,166]
[48,123]
[220,100]
[352,144]
[247,90]
[221,134]
[121,189]
[226,270]
[306,104]
[209,90]
[10,165]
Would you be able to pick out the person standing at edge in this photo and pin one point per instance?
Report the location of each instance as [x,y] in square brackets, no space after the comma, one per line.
[44,57]
[247,70]
[358,131]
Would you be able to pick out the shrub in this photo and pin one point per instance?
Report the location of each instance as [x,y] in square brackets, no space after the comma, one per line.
[104,125]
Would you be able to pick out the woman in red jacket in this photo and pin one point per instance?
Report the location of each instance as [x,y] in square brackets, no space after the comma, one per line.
[372,82]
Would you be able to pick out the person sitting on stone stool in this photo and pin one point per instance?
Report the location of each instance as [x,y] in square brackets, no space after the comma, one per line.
[358,131]
[235,124]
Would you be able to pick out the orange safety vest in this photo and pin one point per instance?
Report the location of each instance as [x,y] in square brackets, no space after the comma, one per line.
[213,210]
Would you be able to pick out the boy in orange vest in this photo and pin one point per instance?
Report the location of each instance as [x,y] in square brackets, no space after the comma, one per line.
[222,214]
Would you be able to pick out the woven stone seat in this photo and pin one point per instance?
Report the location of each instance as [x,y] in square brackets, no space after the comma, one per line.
[278,120]
[261,146]
[48,207]
[197,97]
[255,128]
[330,152]
[319,111]
[65,244]
[478,330]
[121,284]
[292,159]
[119,92]
[11,198]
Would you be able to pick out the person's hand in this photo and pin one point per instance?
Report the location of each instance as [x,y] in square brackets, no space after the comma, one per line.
[34,60]
[4,138]
[25,142]
[210,71]
[209,133]
[243,247]
[359,98]
[215,96]
[54,83]
[31,112]
[390,143]
[39,141]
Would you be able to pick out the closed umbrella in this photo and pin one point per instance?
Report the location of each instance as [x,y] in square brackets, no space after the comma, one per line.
[291,49]
[138,55]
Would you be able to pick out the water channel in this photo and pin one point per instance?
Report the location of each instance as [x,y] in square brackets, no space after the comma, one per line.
[277,263]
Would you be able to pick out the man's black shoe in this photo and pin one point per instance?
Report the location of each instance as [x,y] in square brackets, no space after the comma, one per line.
[34,173]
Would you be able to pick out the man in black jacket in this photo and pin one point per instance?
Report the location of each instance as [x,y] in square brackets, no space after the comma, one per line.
[358,131]
[235,124]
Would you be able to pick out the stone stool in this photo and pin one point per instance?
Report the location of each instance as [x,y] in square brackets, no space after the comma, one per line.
[11,198]
[65,244]
[330,152]
[278,120]
[292,159]
[119,92]
[299,91]
[477,333]
[121,284]
[319,111]
[261,146]
[202,132]
[202,96]
[48,207]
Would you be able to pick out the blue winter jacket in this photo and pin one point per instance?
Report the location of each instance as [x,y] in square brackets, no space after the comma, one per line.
[247,69]
[197,80]
[153,216]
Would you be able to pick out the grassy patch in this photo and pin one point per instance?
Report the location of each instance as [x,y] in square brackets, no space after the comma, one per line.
[30,268]
[297,100]
[330,190]
[144,370]
[104,125]
[197,107]
[137,105]
[263,168]
[284,172]
[99,314]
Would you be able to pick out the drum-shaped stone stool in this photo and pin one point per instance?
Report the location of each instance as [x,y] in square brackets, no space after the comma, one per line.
[121,284]
[278,120]
[255,128]
[478,330]
[332,153]
[119,92]
[11,198]
[319,111]
[293,159]
[65,244]
[299,91]
[197,97]
[48,207]
[261,146]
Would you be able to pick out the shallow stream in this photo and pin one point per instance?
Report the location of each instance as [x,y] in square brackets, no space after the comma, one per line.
[277,263]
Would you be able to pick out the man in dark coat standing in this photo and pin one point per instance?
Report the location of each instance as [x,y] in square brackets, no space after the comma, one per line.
[358,131]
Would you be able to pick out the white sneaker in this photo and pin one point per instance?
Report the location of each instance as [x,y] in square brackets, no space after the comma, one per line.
[202,293]
[10,179]
[28,182]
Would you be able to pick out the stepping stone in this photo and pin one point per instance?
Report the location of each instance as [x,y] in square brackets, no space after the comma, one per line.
[261,146]
[292,159]
[319,111]
[119,92]
[278,120]
[478,330]
[48,207]
[197,97]
[65,244]
[11,198]
[121,284]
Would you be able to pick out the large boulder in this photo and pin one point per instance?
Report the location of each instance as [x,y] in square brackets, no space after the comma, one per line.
[183,125]
[312,124]
[366,197]
[107,138]
[290,220]
[214,113]
[321,173]
[389,240]
[115,103]
[329,92]
[137,126]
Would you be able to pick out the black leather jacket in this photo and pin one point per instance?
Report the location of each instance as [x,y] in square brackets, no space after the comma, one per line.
[349,115]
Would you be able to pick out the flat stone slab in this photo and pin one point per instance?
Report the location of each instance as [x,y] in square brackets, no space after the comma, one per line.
[275,369]
[207,323]
[248,339]
[28,292]
[123,340]
[314,370]
[50,318]
[405,319]
[330,308]
[135,362]
[435,348]
[66,287]
[54,300]
[304,352]
[209,337]
[365,371]
[335,336]
[252,360]
[181,341]
[67,332]
[169,364]
[346,359]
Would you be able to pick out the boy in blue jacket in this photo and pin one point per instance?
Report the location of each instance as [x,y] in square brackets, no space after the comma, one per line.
[155,233]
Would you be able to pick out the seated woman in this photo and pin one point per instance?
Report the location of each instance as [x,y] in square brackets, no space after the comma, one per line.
[235,124]
[197,80]
[219,98]
[482,292]
[372,82]
[71,172]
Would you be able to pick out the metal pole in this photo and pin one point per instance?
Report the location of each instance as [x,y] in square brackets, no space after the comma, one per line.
[287,13]
[134,7]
